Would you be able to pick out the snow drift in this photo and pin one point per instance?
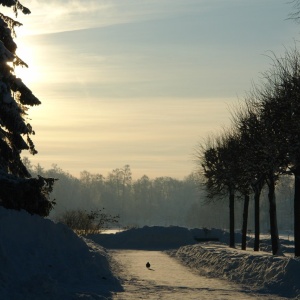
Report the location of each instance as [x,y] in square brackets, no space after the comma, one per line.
[267,273]
[159,238]
[43,260]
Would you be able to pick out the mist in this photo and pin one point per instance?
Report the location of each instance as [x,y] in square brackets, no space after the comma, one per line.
[163,201]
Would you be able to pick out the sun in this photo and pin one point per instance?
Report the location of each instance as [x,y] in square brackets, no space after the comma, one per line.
[29,56]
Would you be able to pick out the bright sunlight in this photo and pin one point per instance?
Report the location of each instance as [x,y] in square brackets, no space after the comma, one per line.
[29,56]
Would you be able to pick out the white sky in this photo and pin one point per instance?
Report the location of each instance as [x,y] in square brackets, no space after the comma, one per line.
[141,82]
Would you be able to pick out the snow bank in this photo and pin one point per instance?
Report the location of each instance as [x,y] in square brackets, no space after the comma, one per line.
[43,260]
[280,275]
[260,270]
[158,237]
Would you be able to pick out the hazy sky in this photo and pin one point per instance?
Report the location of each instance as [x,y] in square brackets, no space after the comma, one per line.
[140,82]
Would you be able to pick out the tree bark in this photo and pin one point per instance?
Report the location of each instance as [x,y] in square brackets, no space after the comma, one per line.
[297,211]
[245,222]
[231,220]
[256,219]
[273,216]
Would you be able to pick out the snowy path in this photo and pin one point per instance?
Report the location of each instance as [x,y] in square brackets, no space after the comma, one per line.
[168,279]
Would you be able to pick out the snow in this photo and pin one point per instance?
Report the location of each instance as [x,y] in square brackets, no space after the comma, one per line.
[168,279]
[158,237]
[260,270]
[43,260]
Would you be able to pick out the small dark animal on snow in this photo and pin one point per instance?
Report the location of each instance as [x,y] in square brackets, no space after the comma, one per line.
[148,265]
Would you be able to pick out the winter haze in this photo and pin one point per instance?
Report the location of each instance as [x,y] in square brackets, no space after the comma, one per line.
[141,82]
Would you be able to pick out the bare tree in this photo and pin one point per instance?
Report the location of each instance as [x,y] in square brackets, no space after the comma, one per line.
[265,158]
[83,222]
[283,105]
[219,165]
[295,15]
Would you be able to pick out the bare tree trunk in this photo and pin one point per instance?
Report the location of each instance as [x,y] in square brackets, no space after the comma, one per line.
[245,221]
[257,188]
[231,220]
[273,216]
[297,211]
[256,219]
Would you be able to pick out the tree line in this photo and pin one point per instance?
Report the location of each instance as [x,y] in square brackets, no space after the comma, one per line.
[144,201]
[262,144]
[164,201]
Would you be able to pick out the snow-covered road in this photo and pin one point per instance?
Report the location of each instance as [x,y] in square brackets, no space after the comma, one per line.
[168,279]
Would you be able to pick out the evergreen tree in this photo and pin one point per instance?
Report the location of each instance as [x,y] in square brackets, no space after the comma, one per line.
[17,189]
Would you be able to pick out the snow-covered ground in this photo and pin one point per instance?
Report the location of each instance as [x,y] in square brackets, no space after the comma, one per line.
[167,279]
[260,271]
[43,260]
[158,237]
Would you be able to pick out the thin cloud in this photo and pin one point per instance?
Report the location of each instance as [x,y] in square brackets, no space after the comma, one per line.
[59,16]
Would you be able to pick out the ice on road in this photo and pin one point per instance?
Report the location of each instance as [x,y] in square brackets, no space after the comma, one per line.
[168,279]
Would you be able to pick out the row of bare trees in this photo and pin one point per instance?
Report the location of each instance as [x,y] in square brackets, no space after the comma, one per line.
[262,144]
[142,201]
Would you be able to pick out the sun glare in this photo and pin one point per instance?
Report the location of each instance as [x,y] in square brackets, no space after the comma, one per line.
[29,56]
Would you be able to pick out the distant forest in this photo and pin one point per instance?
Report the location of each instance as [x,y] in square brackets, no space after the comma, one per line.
[162,201]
